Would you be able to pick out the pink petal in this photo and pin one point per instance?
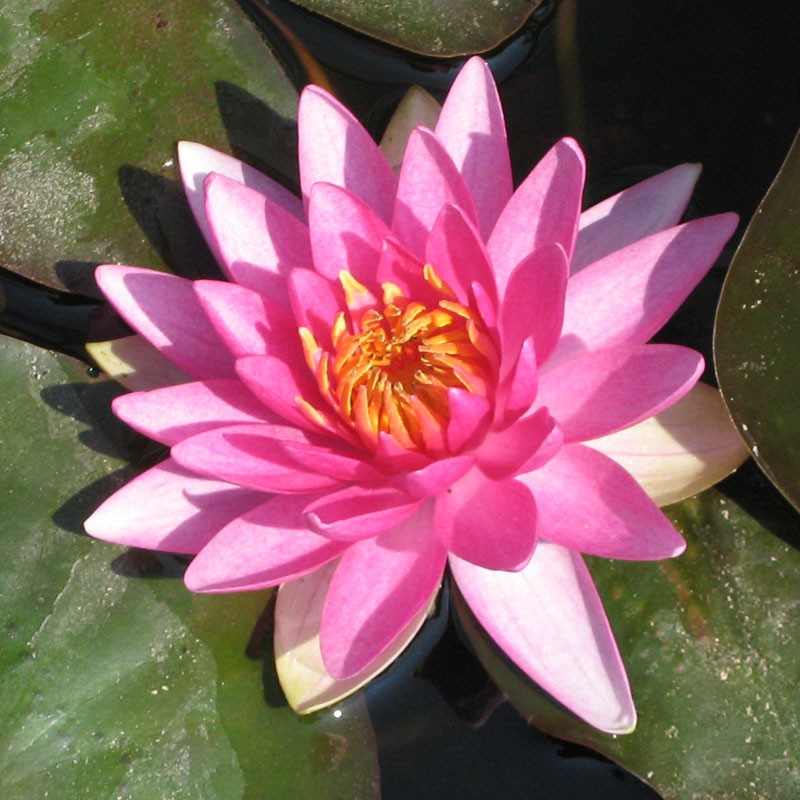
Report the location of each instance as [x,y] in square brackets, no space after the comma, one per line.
[249,323]
[346,234]
[164,310]
[486,522]
[316,301]
[397,265]
[251,456]
[379,587]
[435,478]
[173,413]
[196,161]
[456,252]
[516,393]
[428,181]
[264,547]
[607,390]
[257,239]
[469,414]
[298,657]
[472,129]
[335,148]
[502,453]
[168,508]
[390,455]
[550,621]
[282,387]
[646,208]
[587,502]
[332,458]
[686,448]
[544,210]
[640,286]
[534,305]
[359,512]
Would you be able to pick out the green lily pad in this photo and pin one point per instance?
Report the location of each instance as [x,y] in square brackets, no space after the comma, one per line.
[758,328]
[435,28]
[709,641]
[93,97]
[114,680]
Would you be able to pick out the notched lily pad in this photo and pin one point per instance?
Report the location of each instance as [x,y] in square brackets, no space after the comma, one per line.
[433,28]
[758,328]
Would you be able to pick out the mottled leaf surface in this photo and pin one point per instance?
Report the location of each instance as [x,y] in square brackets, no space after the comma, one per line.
[758,330]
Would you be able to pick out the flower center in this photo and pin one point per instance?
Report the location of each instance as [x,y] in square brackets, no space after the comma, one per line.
[393,362]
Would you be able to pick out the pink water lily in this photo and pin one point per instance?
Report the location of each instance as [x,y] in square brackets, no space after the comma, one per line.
[406,373]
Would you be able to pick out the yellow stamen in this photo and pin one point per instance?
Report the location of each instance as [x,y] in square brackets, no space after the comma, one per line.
[394,361]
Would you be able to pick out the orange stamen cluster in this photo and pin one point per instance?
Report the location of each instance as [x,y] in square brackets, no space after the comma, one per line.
[393,362]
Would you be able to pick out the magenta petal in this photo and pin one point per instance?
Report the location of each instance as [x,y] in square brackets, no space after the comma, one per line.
[518,391]
[379,586]
[469,414]
[393,457]
[331,458]
[435,478]
[247,322]
[456,252]
[197,161]
[428,181]
[173,413]
[164,309]
[489,523]
[472,129]
[503,452]
[533,305]
[335,148]
[316,302]
[359,512]
[346,234]
[641,286]
[252,456]
[298,659]
[281,387]
[587,502]
[550,621]
[607,390]
[264,547]
[544,210]
[398,266]
[168,508]
[646,208]
[258,240]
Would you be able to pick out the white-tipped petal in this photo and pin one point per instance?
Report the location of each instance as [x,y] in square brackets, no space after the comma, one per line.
[416,108]
[135,364]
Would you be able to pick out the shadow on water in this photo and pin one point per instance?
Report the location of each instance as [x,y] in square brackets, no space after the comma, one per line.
[160,209]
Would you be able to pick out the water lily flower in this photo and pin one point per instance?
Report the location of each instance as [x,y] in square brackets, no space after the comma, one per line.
[410,373]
